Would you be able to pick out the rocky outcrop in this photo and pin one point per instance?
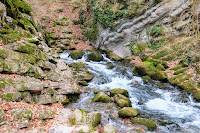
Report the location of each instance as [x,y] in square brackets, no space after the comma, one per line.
[174,16]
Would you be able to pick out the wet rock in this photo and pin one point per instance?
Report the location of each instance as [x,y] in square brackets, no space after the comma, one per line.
[146,79]
[124,92]
[187,85]
[2,117]
[196,95]
[23,116]
[102,97]
[146,122]
[45,114]
[95,56]
[128,112]
[109,129]
[76,54]
[122,101]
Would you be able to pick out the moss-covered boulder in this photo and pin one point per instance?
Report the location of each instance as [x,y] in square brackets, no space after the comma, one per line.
[76,54]
[2,117]
[93,118]
[157,62]
[110,65]
[114,56]
[83,83]
[196,95]
[145,68]
[95,56]
[128,112]
[12,97]
[122,101]
[146,122]
[102,97]
[146,79]
[160,75]
[188,85]
[119,91]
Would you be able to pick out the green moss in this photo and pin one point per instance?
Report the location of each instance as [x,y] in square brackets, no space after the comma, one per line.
[95,56]
[9,36]
[128,112]
[96,91]
[145,68]
[116,91]
[146,122]
[102,97]
[162,53]
[27,48]
[175,77]
[168,57]
[160,75]
[77,54]
[160,67]
[188,85]
[196,95]
[176,68]
[180,71]
[122,101]
[188,77]
[157,61]
[146,79]
[77,66]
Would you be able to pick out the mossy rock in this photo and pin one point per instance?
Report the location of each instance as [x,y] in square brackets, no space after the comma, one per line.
[188,85]
[196,95]
[146,79]
[128,112]
[93,118]
[114,56]
[102,97]
[83,83]
[160,75]
[9,36]
[146,122]
[176,68]
[25,48]
[95,56]
[175,77]
[96,91]
[157,61]
[160,67]
[122,101]
[12,97]
[76,54]
[145,68]
[162,53]
[110,65]
[180,71]
[78,66]
[115,91]
[45,114]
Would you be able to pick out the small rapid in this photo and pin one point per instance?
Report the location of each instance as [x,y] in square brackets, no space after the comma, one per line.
[173,111]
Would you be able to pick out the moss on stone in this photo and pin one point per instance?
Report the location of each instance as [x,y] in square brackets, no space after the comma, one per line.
[102,97]
[188,85]
[110,65]
[146,79]
[9,36]
[116,91]
[83,83]
[175,77]
[76,54]
[122,101]
[95,56]
[77,66]
[160,75]
[146,122]
[180,71]
[128,112]
[196,95]
[176,68]
[157,61]
[162,53]
[26,48]
[160,67]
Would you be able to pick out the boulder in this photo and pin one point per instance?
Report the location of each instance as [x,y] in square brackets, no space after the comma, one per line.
[83,83]
[78,117]
[146,79]
[43,99]
[12,97]
[146,122]
[95,56]
[76,54]
[109,129]
[160,75]
[93,118]
[102,97]
[128,112]
[115,91]
[122,101]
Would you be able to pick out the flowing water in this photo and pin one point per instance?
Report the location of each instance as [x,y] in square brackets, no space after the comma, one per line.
[173,111]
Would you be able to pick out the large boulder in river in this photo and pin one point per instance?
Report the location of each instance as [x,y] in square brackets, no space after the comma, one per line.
[115,91]
[95,56]
[76,54]
[122,101]
[196,95]
[102,97]
[128,112]
[146,122]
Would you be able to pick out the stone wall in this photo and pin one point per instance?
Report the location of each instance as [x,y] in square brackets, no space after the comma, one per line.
[175,16]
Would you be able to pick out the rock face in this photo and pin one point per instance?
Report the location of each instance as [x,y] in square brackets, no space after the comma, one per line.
[171,14]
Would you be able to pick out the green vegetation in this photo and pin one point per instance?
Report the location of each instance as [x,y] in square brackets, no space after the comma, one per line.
[179,71]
